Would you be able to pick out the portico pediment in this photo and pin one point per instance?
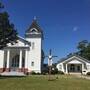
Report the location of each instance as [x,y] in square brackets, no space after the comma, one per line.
[20,43]
[74,60]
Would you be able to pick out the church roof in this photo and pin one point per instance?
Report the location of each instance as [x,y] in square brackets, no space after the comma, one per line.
[24,41]
[64,59]
[21,38]
[34,25]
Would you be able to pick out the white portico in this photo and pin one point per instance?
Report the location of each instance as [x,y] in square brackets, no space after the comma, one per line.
[74,66]
[25,55]
[16,59]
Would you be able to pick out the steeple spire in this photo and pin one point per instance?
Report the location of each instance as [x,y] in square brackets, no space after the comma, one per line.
[34,26]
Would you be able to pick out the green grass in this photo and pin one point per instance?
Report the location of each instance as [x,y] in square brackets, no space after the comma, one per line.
[41,83]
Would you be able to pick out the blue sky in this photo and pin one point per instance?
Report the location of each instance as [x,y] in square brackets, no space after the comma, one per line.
[64,22]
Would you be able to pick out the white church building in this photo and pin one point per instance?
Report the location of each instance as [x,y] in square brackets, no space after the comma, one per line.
[74,64]
[26,55]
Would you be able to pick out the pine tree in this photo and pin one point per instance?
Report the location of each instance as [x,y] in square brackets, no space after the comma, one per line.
[8,34]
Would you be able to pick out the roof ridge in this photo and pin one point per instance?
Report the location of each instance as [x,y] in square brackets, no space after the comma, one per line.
[24,39]
[63,59]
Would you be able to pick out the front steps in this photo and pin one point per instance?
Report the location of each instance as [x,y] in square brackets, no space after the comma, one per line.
[12,73]
[72,73]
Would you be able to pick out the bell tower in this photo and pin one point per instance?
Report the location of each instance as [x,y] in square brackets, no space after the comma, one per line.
[34,35]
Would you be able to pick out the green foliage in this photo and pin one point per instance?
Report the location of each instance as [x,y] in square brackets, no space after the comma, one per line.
[38,73]
[7,32]
[88,73]
[82,45]
[84,49]
[33,73]
[44,72]
[54,71]
[61,72]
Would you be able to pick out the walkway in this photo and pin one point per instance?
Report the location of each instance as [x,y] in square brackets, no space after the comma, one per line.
[79,75]
[13,73]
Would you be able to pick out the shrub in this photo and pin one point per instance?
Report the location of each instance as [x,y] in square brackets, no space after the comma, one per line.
[60,72]
[44,72]
[27,73]
[33,73]
[88,73]
[55,71]
[38,73]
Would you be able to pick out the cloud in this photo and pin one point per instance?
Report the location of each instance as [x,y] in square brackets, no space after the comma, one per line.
[75,28]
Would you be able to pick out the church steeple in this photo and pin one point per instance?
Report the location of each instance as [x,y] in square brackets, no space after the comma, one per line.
[34,35]
[35,18]
[34,30]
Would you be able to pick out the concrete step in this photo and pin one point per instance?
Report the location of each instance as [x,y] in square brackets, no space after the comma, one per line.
[73,73]
[12,73]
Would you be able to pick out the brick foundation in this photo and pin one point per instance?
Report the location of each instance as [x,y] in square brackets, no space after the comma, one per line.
[20,70]
[7,69]
[1,70]
[26,70]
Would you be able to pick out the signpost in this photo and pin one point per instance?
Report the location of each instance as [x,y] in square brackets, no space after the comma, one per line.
[50,62]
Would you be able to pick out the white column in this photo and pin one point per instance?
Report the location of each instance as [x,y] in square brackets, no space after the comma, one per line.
[20,59]
[8,57]
[26,61]
[66,69]
[82,67]
[63,67]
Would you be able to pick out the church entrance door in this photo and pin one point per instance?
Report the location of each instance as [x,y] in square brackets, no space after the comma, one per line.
[15,63]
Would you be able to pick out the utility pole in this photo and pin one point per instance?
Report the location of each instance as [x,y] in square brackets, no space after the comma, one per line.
[50,62]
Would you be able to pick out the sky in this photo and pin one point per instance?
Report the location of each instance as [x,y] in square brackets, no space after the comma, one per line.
[64,22]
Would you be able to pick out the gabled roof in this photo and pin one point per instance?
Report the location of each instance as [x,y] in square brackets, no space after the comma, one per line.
[24,40]
[64,59]
[34,25]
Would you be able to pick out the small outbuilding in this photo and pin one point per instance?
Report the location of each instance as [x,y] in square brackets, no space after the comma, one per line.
[74,64]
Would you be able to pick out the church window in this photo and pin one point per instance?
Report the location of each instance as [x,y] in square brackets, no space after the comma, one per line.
[34,31]
[32,63]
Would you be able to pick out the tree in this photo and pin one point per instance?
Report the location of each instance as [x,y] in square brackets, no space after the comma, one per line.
[84,49]
[8,34]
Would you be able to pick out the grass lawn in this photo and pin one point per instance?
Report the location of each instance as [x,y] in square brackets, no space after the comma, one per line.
[41,83]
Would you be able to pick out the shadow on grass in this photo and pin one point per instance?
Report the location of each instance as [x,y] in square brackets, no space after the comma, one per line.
[6,77]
